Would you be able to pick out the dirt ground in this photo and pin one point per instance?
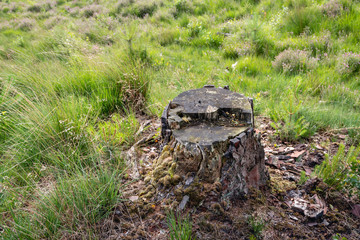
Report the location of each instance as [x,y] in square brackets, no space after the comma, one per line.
[282,209]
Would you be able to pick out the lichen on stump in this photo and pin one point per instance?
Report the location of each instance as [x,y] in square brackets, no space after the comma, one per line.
[210,148]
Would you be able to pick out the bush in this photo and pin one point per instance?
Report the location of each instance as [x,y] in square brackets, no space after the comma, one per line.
[141,8]
[91,10]
[294,61]
[182,6]
[26,24]
[332,8]
[348,63]
[44,6]
[320,44]
[194,28]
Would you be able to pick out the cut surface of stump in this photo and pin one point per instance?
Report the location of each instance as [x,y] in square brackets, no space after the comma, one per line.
[210,148]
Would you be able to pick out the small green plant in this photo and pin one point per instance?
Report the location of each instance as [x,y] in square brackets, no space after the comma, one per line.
[256,227]
[341,170]
[338,237]
[180,228]
[303,178]
[352,180]
[288,123]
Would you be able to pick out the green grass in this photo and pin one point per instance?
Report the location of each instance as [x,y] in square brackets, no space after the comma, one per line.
[180,228]
[73,75]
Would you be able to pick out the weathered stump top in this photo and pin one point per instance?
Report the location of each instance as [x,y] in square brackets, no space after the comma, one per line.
[206,135]
[207,115]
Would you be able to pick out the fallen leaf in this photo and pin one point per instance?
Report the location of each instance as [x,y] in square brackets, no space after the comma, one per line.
[297,154]
[342,136]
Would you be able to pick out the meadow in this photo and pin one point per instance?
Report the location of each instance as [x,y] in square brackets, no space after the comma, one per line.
[74,74]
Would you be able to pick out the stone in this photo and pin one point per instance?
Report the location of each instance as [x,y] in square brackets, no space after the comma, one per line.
[214,148]
[183,202]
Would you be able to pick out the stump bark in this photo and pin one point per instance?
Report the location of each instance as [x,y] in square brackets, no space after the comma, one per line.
[210,148]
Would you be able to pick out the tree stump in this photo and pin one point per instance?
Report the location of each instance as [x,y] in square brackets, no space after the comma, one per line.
[210,148]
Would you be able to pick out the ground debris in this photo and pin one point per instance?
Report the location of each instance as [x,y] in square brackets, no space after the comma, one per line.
[290,211]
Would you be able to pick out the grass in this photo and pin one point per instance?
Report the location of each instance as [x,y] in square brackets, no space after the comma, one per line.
[73,75]
[180,227]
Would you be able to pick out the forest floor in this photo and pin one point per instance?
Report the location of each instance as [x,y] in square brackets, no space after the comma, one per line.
[285,208]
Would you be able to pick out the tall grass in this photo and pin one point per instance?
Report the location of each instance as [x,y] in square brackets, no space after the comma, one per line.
[70,208]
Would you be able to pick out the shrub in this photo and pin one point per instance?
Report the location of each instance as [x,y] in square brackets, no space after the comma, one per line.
[182,6]
[91,10]
[255,33]
[348,63]
[352,180]
[74,12]
[44,6]
[141,8]
[26,24]
[194,28]
[294,61]
[332,8]
[320,44]
[34,8]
